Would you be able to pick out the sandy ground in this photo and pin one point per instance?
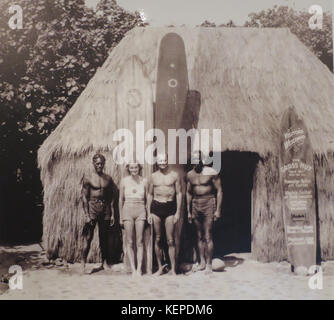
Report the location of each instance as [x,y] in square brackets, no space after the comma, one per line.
[243,278]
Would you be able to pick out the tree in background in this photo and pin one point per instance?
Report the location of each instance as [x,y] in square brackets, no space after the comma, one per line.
[43,69]
[319,41]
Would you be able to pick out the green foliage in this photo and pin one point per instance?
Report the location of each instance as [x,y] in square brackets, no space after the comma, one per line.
[43,69]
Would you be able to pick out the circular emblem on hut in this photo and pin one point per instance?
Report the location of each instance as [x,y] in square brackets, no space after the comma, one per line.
[133,98]
[173,83]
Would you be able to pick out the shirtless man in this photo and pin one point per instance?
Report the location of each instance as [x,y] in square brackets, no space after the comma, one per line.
[163,209]
[203,208]
[97,200]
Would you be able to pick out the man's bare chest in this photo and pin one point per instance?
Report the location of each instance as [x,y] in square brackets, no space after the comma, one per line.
[163,180]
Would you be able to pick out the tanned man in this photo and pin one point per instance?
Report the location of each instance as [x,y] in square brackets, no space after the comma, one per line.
[204,201]
[98,202]
[163,205]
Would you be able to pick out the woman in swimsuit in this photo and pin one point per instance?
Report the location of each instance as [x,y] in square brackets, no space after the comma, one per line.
[132,208]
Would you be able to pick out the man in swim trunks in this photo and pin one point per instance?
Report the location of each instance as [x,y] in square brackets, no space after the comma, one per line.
[98,201]
[164,187]
[204,201]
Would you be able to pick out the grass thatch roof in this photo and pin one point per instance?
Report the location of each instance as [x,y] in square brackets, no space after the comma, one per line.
[246,77]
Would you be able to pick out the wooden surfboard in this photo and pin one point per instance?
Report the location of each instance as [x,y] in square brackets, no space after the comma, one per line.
[171,96]
[135,103]
[298,192]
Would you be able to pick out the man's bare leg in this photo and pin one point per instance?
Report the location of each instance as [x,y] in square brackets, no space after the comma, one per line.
[157,248]
[207,224]
[129,228]
[103,229]
[170,226]
[201,244]
[88,234]
[140,224]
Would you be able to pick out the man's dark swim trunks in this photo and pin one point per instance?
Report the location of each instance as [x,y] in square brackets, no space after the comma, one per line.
[204,207]
[163,209]
[99,209]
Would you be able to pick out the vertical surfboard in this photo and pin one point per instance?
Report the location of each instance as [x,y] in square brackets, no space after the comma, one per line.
[135,103]
[171,96]
[298,191]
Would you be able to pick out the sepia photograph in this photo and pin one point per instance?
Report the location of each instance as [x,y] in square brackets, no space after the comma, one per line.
[166,150]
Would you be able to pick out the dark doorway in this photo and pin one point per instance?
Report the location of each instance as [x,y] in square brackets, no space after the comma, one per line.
[232,233]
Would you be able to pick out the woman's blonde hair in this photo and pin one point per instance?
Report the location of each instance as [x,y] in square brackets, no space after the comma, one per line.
[139,166]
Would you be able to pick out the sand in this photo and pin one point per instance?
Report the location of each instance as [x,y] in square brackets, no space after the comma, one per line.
[243,278]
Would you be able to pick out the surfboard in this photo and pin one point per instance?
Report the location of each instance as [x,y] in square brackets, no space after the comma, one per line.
[171,97]
[134,98]
[297,181]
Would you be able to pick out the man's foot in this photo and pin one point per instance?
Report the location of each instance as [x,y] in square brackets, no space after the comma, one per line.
[139,273]
[83,268]
[97,268]
[198,267]
[108,267]
[160,271]
[171,272]
[208,269]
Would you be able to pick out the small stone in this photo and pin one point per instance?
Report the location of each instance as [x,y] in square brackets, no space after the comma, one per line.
[185,267]
[218,265]
[301,271]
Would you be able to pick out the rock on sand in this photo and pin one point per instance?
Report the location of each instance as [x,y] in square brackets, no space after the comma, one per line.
[218,265]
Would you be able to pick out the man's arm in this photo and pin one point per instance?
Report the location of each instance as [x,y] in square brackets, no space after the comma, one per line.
[178,197]
[145,181]
[218,186]
[112,200]
[121,201]
[149,199]
[189,196]
[85,192]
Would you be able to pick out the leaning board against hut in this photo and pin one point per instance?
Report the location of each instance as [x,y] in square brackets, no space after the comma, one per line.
[171,98]
[298,191]
[134,104]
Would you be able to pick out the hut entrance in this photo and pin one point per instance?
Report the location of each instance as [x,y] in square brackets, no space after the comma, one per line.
[232,234]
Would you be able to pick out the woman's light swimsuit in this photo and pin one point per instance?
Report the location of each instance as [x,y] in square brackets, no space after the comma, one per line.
[134,204]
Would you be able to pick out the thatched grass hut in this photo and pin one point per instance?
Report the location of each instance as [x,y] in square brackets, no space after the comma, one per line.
[245,79]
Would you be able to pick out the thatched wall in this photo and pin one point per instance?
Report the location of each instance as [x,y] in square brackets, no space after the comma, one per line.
[243,79]
[324,170]
[268,241]
[63,218]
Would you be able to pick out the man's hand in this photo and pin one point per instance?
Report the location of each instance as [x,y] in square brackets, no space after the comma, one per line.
[176,217]
[112,221]
[190,217]
[217,215]
[88,219]
[149,218]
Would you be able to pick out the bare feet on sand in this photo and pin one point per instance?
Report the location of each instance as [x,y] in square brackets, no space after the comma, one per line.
[208,269]
[171,272]
[198,267]
[83,268]
[97,268]
[160,271]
